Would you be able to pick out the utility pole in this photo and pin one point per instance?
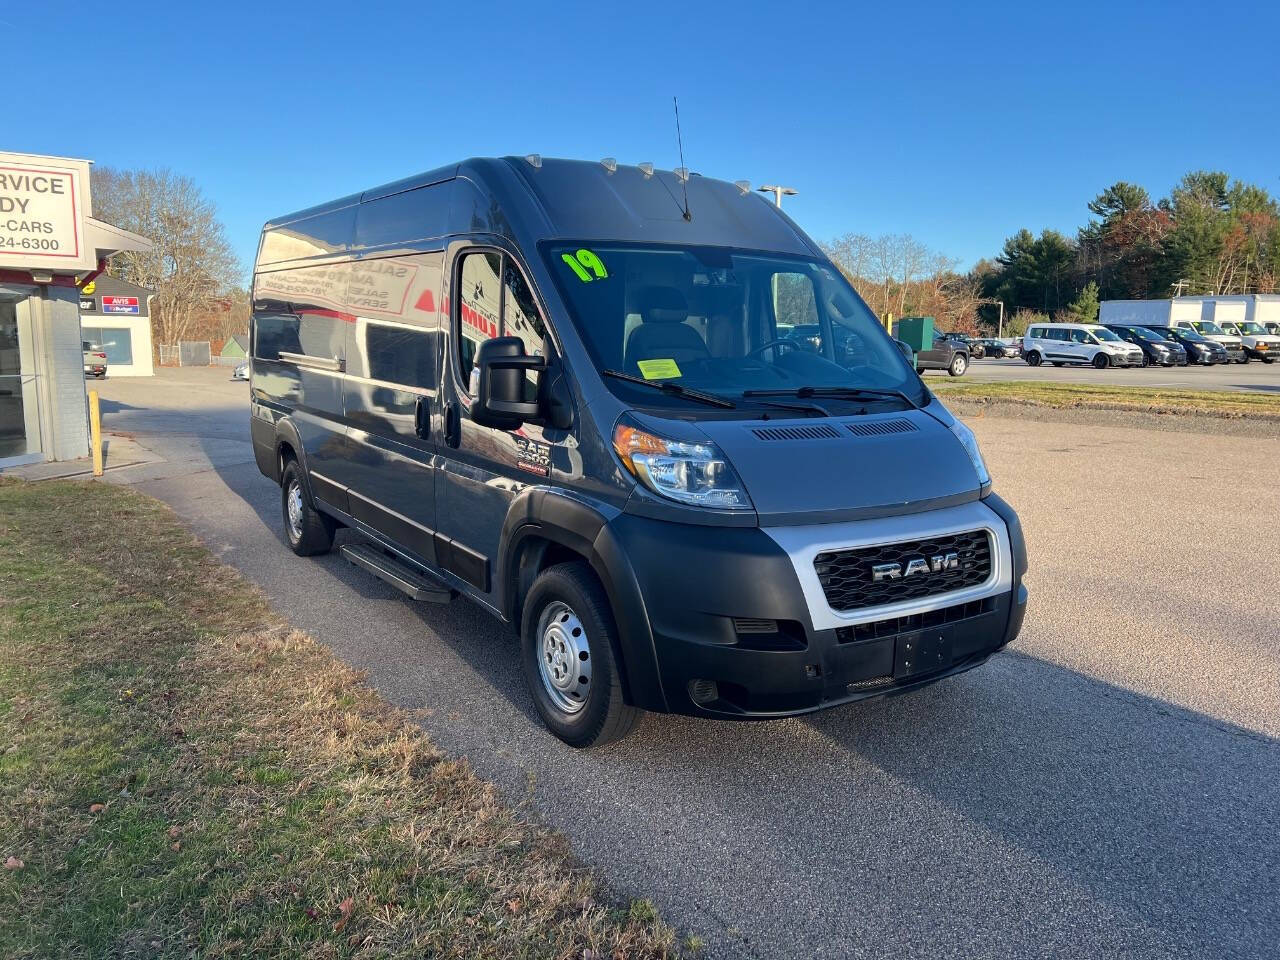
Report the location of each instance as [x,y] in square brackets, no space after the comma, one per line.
[778,193]
[1180,286]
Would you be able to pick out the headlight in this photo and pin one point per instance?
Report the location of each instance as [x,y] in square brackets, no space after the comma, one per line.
[970,444]
[693,473]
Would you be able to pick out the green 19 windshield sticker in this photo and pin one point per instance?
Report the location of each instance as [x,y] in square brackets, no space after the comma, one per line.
[584,261]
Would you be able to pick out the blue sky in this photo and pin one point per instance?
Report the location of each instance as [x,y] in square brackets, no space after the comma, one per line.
[956,123]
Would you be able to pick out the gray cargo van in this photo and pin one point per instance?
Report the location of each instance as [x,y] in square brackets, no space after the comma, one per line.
[573,393]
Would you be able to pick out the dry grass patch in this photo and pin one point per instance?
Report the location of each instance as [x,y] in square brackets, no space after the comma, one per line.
[1221,403]
[182,773]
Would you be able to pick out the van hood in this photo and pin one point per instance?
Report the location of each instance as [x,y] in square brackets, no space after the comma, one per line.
[843,468]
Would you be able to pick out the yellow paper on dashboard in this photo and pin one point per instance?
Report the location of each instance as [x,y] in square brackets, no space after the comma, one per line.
[658,369]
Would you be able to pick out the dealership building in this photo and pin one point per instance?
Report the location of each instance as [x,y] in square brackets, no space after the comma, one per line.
[51,249]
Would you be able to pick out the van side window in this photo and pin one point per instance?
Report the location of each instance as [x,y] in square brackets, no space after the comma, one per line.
[275,333]
[794,301]
[1079,336]
[401,355]
[479,303]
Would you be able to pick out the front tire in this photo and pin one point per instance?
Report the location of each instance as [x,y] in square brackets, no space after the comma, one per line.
[1034,358]
[1101,361]
[959,364]
[568,640]
[306,530]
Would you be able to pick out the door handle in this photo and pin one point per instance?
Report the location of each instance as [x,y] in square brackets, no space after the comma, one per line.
[422,418]
[452,424]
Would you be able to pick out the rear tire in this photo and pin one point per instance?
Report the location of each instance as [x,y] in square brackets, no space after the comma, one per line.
[1146,361]
[567,627]
[306,530]
[1101,361]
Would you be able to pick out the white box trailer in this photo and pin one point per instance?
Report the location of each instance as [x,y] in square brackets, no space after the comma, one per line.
[1150,313]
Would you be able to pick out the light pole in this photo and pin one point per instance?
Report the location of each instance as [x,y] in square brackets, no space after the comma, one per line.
[1000,322]
[778,193]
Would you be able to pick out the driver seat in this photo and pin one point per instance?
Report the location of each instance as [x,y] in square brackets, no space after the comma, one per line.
[663,333]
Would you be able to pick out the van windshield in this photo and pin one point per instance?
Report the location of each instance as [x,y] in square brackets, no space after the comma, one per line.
[1209,328]
[1102,333]
[724,321]
[1250,328]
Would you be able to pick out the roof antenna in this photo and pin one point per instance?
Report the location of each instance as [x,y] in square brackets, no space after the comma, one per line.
[684,171]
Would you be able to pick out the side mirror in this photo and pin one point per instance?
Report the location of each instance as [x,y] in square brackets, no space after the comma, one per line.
[906,351]
[500,398]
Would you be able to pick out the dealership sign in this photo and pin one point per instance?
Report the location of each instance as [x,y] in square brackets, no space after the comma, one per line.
[119,304]
[44,202]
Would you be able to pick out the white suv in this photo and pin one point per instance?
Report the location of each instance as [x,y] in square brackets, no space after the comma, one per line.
[1060,343]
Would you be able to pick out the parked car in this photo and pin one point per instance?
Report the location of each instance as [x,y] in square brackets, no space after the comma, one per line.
[95,360]
[972,344]
[1198,349]
[241,371]
[1155,348]
[590,421]
[995,349]
[1257,342]
[1272,327]
[1211,331]
[1063,343]
[948,353]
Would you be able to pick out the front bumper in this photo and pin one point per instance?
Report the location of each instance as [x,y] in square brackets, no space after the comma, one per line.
[731,628]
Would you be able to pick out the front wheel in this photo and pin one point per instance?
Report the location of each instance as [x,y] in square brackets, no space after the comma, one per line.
[959,364]
[1146,361]
[1033,358]
[1101,361]
[567,633]
[306,529]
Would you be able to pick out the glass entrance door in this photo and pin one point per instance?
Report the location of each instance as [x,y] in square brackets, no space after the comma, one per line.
[19,411]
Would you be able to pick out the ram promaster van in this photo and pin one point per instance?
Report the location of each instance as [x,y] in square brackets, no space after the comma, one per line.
[567,393]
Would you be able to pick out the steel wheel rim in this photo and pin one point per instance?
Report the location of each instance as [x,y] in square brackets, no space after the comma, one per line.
[564,657]
[293,510]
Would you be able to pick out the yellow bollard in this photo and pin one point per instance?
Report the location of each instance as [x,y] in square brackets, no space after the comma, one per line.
[95,432]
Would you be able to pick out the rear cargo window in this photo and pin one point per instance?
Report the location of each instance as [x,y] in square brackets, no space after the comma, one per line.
[401,355]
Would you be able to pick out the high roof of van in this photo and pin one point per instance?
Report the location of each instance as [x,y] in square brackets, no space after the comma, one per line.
[530,200]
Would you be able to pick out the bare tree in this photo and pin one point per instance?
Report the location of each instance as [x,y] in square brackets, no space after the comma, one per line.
[897,274]
[191,263]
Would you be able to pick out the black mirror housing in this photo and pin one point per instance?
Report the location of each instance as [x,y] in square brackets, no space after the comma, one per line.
[499,402]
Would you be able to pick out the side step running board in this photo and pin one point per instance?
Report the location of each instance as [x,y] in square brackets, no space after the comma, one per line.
[398,574]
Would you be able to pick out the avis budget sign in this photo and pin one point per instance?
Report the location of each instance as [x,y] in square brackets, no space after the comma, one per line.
[119,304]
[43,206]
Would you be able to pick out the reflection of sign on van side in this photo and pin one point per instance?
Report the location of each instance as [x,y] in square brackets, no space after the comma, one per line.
[321,286]
[120,305]
[380,287]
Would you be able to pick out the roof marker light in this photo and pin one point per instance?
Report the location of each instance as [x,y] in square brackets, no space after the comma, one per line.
[743,185]
[646,169]
[682,173]
[610,164]
[534,160]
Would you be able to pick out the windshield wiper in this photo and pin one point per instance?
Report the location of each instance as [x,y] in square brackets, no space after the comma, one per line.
[804,392]
[673,389]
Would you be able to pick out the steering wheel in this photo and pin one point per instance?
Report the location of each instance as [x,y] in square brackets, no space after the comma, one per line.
[779,342]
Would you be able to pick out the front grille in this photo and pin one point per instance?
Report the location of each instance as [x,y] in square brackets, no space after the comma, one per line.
[879,629]
[846,575]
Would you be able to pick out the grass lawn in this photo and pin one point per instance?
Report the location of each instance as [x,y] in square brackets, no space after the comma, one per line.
[183,774]
[1152,400]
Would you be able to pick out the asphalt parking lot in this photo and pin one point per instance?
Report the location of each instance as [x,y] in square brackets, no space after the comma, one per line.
[1246,377]
[1110,786]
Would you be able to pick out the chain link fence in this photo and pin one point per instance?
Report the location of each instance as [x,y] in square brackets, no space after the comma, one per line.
[187,353]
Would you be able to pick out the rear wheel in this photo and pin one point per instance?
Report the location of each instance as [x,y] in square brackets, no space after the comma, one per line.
[1146,361]
[568,634]
[307,531]
[1101,361]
